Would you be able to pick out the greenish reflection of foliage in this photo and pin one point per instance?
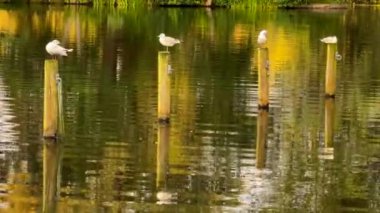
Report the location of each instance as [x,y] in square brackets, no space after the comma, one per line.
[98,99]
[185,3]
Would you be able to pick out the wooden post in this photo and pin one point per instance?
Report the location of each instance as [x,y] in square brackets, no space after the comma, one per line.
[261,137]
[163,87]
[331,70]
[263,67]
[61,127]
[162,153]
[329,121]
[332,56]
[50,99]
[51,174]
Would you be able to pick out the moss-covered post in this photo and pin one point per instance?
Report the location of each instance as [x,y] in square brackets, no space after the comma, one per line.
[331,70]
[50,123]
[163,87]
[263,69]
[330,82]
[61,127]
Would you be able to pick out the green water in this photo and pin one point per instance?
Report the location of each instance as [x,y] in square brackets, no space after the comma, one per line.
[114,157]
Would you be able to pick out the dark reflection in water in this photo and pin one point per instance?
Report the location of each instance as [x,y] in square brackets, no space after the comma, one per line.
[313,155]
[52,153]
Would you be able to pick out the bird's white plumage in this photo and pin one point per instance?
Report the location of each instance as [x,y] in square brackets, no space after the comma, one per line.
[168,41]
[262,38]
[54,49]
[330,40]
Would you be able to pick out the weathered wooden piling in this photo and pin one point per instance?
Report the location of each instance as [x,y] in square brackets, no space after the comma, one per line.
[330,82]
[329,121]
[261,137]
[61,126]
[50,123]
[163,135]
[331,70]
[163,87]
[263,67]
[51,174]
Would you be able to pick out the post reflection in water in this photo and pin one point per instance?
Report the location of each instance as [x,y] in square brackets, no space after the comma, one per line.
[163,138]
[51,173]
[261,138]
[163,132]
[329,121]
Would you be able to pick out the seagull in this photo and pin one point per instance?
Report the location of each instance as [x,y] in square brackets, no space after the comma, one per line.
[54,49]
[168,41]
[262,39]
[330,40]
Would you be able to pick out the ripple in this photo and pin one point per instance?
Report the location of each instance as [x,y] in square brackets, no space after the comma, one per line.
[8,134]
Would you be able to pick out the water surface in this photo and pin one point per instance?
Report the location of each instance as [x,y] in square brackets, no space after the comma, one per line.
[220,153]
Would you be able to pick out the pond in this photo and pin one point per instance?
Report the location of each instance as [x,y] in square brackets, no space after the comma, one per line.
[219,153]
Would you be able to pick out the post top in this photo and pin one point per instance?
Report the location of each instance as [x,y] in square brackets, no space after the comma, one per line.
[51,60]
[330,40]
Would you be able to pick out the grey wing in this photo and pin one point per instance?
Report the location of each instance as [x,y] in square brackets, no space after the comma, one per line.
[173,40]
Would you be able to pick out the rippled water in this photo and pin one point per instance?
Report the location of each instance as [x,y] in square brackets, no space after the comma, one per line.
[219,153]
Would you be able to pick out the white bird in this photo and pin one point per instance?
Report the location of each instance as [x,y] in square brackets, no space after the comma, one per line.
[330,40]
[262,38]
[54,49]
[168,41]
